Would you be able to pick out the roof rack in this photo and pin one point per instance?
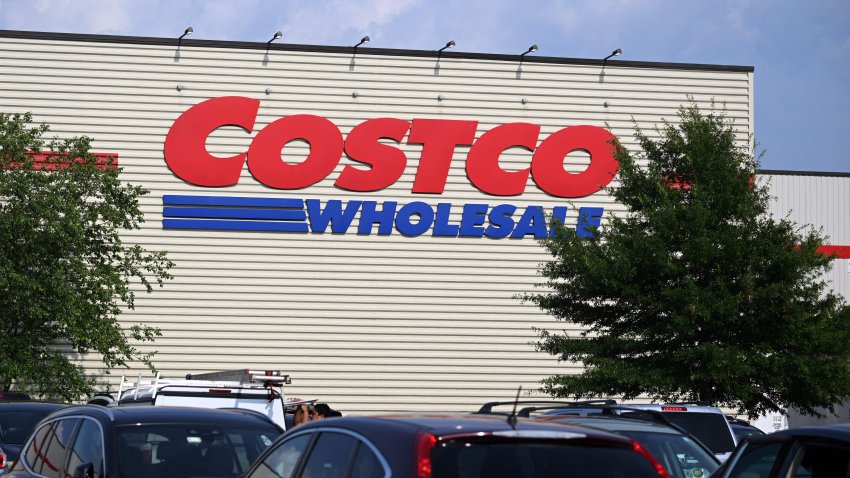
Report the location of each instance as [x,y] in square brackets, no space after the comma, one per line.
[612,409]
[487,408]
[241,378]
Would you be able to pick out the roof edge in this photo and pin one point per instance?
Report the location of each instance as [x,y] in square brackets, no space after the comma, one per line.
[80,37]
[783,172]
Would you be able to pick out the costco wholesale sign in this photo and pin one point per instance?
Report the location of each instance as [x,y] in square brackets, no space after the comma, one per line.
[363,221]
[186,155]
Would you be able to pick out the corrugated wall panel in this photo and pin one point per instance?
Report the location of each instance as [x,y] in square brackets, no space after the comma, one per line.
[821,202]
[365,322]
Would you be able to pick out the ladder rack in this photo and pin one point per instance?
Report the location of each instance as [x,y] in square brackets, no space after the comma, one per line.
[243,378]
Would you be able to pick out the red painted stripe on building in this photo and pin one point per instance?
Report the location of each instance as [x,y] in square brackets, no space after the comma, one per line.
[102,160]
[840,252]
[40,159]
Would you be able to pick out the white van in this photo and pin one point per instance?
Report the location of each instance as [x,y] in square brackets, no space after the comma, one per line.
[260,391]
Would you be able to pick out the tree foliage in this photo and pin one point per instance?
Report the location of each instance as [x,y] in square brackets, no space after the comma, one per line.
[65,273]
[696,293]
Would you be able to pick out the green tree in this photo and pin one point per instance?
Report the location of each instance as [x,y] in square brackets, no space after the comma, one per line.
[696,293]
[65,273]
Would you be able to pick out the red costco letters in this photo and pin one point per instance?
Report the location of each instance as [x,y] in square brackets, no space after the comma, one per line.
[186,154]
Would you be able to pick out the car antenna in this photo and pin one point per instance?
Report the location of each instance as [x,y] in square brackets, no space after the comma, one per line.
[512,416]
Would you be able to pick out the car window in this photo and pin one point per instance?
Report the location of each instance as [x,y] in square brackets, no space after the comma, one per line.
[822,461]
[34,455]
[474,459]
[756,460]
[53,462]
[711,429]
[87,448]
[282,461]
[366,464]
[189,450]
[330,456]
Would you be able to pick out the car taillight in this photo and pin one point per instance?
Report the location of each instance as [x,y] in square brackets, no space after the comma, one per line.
[674,409]
[659,468]
[221,390]
[2,460]
[424,443]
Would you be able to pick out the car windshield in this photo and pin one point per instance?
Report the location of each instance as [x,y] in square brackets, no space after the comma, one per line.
[681,456]
[189,450]
[16,426]
[484,459]
[709,428]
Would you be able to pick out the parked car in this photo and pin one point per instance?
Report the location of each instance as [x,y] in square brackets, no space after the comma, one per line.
[14,396]
[470,446]
[742,428]
[705,422]
[88,441]
[708,424]
[682,455]
[812,452]
[17,420]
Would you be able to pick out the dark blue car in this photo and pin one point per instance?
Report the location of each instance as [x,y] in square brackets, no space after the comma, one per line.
[810,452]
[472,446]
[89,441]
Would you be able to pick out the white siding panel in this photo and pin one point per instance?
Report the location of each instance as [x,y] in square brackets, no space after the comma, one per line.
[368,323]
[820,202]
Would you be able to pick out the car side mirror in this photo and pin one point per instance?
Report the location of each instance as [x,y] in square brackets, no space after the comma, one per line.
[86,470]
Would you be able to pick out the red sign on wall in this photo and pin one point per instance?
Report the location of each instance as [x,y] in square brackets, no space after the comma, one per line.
[383,164]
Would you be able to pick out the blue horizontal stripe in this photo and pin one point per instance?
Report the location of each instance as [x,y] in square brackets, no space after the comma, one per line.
[235,213]
[223,225]
[180,200]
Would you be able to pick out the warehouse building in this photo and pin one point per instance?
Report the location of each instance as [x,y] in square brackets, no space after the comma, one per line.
[380,260]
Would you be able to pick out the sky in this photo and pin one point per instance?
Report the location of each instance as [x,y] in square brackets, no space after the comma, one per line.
[800,49]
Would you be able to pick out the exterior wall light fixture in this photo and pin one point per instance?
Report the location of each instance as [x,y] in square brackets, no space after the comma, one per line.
[531,49]
[363,41]
[188,31]
[616,52]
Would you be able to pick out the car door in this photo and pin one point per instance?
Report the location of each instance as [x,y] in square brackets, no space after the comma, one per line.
[757,459]
[820,459]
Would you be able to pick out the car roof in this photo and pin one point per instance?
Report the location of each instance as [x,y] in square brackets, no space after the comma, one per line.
[442,425]
[687,407]
[833,432]
[133,415]
[613,423]
[29,405]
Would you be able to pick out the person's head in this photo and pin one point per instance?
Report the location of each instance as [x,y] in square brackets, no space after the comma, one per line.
[321,410]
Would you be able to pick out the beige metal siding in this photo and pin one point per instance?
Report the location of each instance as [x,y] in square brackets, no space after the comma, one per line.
[819,201]
[367,323]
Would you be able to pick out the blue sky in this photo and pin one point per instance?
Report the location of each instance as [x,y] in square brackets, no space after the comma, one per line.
[800,49]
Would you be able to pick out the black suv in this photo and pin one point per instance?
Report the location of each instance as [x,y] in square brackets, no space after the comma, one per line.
[88,441]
